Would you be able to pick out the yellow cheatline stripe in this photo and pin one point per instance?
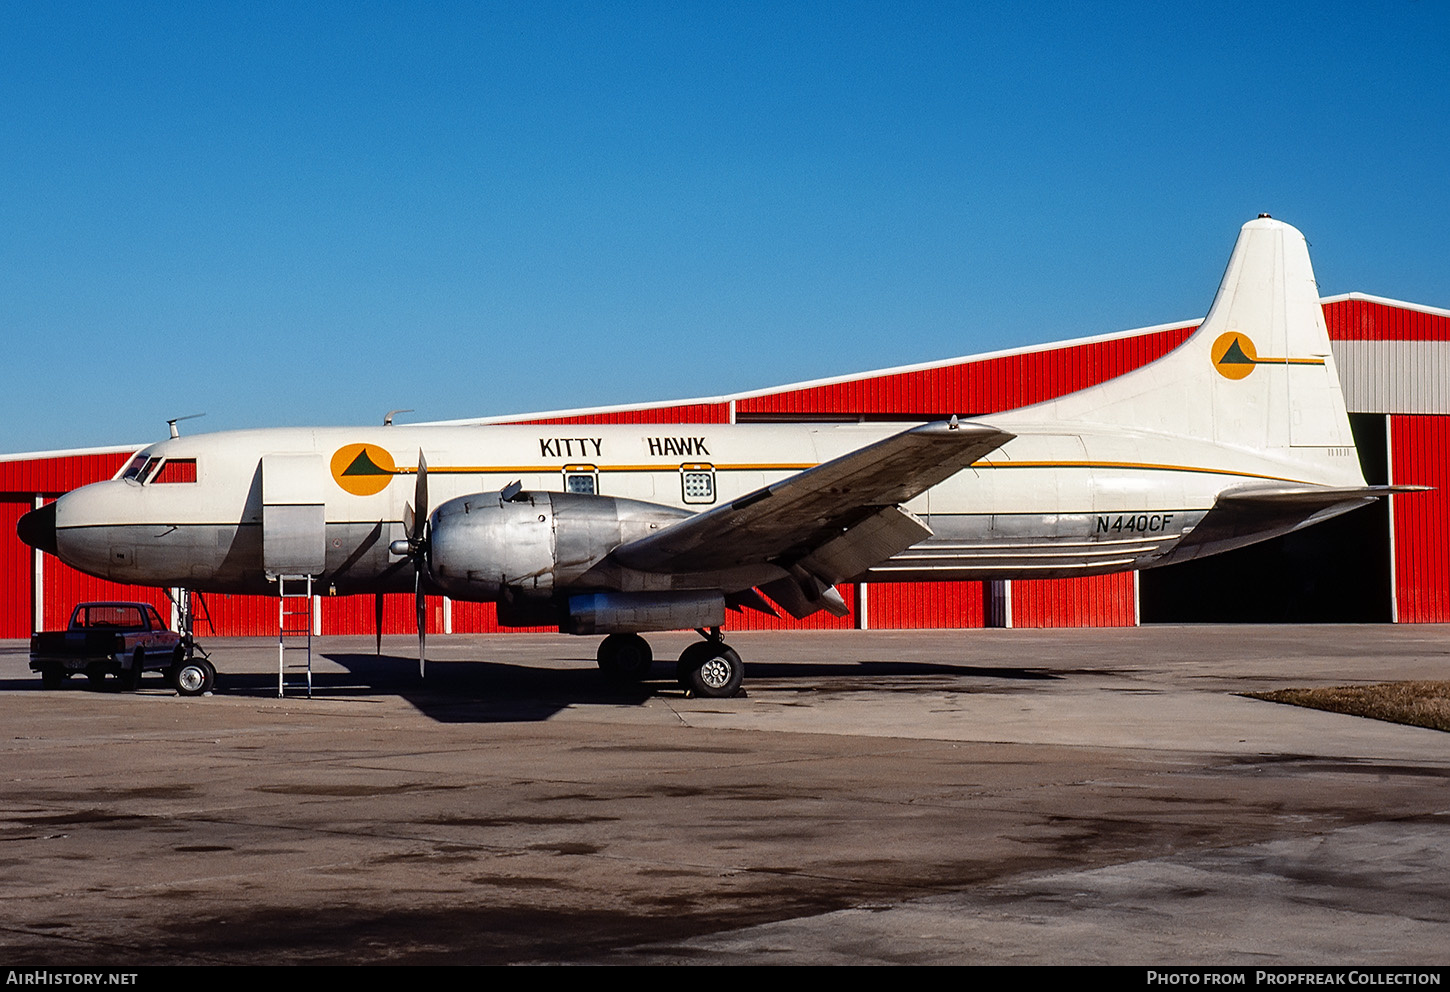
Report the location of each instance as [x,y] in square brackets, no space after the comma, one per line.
[1144,466]
[508,469]
[801,466]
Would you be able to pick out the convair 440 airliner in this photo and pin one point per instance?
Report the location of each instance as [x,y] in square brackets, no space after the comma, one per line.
[1238,435]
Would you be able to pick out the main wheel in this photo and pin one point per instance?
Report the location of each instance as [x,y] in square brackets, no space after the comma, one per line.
[710,669]
[193,677]
[625,658]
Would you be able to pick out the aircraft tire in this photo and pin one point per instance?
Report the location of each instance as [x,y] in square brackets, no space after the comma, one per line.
[625,658]
[193,678]
[710,670]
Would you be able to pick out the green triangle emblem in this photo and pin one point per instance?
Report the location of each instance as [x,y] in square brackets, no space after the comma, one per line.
[363,465]
[1234,355]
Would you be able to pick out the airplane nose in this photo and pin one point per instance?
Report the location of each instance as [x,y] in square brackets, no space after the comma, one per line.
[37,528]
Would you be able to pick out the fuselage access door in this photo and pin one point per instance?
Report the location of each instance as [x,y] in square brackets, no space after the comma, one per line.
[294,516]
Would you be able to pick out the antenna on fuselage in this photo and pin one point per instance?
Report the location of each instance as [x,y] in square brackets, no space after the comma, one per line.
[388,417]
[171,424]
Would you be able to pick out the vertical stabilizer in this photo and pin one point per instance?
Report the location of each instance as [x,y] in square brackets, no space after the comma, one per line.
[1257,374]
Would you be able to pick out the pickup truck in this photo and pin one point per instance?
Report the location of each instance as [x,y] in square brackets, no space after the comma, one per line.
[121,639]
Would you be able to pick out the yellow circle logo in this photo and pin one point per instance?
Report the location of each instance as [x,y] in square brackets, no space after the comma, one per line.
[1234,355]
[363,469]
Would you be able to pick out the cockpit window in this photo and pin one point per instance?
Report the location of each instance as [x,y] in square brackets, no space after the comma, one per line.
[177,470]
[141,466]
[134,468]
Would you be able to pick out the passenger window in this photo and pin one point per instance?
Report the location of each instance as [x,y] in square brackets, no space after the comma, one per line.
[697,483]
[582,479]
[177,470]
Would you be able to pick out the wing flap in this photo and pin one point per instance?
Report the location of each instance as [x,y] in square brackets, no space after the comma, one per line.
[889,531]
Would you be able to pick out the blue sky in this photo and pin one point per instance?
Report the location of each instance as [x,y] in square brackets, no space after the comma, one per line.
[301,213]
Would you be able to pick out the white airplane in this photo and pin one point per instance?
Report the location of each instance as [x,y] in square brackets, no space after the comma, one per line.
[1238,435]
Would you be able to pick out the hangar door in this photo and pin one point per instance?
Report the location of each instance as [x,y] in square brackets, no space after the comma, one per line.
[1334,572]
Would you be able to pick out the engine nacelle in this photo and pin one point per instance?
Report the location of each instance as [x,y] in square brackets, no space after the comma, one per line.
[634,612]
[524,549]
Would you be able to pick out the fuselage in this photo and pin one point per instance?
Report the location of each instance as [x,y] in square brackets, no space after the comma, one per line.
[1055,501]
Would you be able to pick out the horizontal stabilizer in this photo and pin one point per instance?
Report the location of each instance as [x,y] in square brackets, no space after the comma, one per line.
[1310,496]
[1254,513]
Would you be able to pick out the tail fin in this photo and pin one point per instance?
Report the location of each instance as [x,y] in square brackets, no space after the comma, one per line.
[1258,373]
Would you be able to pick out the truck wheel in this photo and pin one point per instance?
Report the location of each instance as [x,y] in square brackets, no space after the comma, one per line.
[96,678]
[52,676]
[131,678]
[193,677]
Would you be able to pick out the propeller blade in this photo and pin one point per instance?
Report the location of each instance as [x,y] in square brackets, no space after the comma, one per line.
[378,620]
[418,538]
[421,606]
[420,497]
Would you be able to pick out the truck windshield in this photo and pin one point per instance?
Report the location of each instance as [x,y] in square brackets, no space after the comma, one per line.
[107,615]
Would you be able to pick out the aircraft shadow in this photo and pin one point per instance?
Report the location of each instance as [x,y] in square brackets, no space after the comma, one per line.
[464,691]
[499,692]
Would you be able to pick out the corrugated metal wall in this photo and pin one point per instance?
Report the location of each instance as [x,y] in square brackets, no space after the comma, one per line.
[1420,455]
[64,587]
[1357,318]
[1391,359]
[917,605]
[1093,601]
[974,387]
[15,576]
[56,475]
[685,413]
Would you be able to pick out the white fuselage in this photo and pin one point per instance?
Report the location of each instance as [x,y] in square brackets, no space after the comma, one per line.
[1052,502]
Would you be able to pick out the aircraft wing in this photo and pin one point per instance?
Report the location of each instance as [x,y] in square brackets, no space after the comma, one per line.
[825,524]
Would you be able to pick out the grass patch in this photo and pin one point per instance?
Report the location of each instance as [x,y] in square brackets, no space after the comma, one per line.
[1418,704]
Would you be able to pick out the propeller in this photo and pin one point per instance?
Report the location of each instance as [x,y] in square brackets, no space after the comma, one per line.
[415,522]
[378,620]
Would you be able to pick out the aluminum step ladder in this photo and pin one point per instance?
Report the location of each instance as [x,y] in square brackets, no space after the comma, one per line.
[294,627]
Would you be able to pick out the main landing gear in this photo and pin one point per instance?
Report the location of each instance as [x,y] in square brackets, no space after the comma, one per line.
[708,668]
